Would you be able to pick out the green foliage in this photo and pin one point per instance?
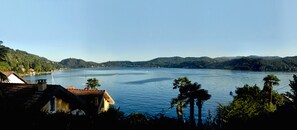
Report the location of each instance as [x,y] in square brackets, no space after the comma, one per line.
[3,51]
[277,99]
[252,63]
[239,110]
[4,66]
[270,80]
[293,85]
[249,103]
[92,83]
[182,83]
[248,92]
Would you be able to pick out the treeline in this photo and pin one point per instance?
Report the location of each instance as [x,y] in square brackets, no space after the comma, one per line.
[252,63]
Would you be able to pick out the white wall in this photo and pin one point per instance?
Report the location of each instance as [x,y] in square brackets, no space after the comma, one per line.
[14,79]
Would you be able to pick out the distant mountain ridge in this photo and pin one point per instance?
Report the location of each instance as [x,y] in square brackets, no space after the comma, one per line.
[252,63]
[21,61]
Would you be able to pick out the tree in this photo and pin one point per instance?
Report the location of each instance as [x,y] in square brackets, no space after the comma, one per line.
[92,83]
[3,52]
[191,95]
[269,81]
[293,85]
[187,89]
[201,96]
[247,92]
[249,103]
[181,83]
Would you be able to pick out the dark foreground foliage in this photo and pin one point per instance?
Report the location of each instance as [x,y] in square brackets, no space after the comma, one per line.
[112,119]
[281,119]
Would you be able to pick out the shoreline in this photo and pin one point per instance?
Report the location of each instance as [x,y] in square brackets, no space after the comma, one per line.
[40,73]
[36,73]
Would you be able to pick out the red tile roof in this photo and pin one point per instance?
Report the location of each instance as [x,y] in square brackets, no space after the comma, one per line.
[80,92]
[7,73]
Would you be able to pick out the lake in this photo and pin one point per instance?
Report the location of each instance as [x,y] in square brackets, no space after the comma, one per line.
[149,90]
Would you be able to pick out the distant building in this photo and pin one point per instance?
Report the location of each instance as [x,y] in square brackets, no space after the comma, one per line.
[13,77]
[31,72]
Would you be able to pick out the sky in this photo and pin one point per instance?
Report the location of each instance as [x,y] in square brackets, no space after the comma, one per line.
[140,30]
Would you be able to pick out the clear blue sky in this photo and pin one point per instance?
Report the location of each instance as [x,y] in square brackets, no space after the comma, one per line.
[137,30]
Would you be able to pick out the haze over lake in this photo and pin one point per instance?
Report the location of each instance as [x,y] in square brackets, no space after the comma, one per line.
[149,90]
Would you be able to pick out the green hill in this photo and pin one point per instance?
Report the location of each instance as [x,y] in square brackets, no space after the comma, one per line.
[22,62]
[78,63]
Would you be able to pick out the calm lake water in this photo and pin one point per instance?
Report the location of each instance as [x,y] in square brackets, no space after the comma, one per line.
[149,90]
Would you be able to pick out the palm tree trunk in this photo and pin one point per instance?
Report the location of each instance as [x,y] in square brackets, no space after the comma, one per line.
[179,112]
[192,118]
[199,105]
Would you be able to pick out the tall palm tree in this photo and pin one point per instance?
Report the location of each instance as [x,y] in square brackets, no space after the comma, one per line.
[182,84]
[201,95]
[92,83]
[187,90]
[193,88]
[269,81]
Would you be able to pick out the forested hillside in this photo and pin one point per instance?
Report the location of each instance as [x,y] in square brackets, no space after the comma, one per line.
[23,62]
[252,63]
[78,63]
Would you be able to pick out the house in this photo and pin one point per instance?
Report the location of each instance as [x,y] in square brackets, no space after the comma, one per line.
[31,72]
[39,97]
[97,100]
[47,98]
[13,77]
